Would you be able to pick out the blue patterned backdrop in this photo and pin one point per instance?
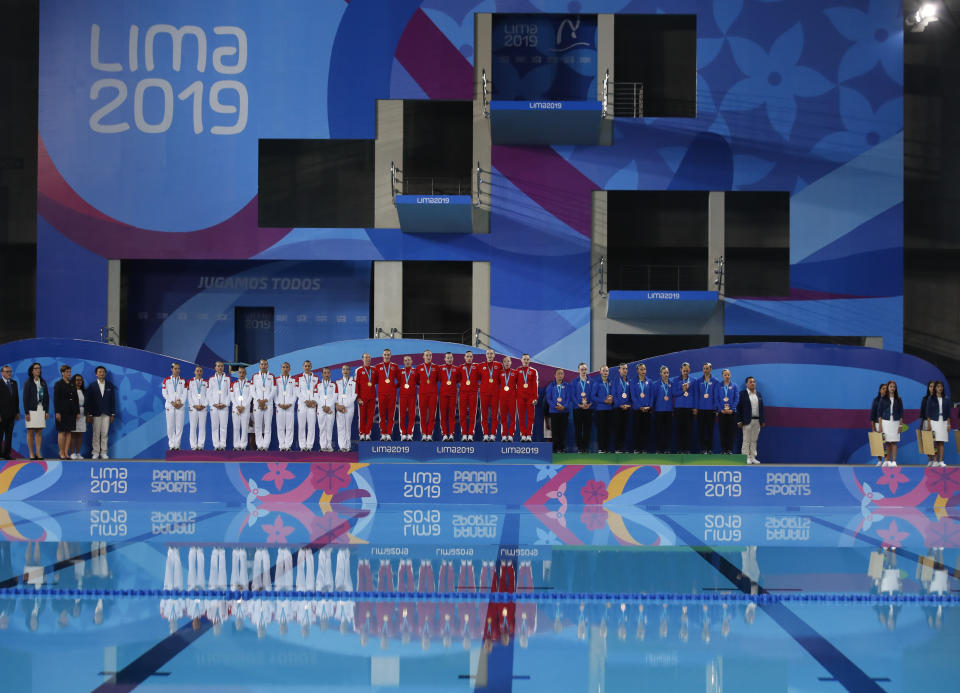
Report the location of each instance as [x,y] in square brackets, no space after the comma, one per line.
[805,97]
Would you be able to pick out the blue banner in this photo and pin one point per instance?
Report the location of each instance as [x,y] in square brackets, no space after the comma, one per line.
[551,56]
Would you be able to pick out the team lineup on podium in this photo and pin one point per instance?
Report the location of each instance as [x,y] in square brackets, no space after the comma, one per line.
[501,398]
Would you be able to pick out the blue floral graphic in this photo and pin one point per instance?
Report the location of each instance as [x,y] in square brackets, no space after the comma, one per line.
[773,80]
[864,127]
[878,36]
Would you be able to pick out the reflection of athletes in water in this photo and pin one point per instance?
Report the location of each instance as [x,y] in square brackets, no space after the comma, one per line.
[935,576]
[750,569]
[888,582]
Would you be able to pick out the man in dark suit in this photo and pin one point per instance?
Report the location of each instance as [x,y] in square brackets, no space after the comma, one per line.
[9,410]
[101,405]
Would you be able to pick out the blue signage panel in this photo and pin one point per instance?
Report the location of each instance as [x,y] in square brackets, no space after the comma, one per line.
[435,213]
[634,305]
[550,56]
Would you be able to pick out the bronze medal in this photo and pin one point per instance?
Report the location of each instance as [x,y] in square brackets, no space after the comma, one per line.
[642,396]
[666,398]
[624,395]
[726,399]
[686,394]
[706,396]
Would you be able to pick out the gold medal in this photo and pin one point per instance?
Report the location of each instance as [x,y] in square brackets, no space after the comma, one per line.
[449,383]
[506,388]
[525,385]
[468,382]
[387,380]
[706,396]
[685,394]
[428,381]
[491,380]
[642,396]
[623,395]
[726,399]
[406,386]
[559,400]
[666,398]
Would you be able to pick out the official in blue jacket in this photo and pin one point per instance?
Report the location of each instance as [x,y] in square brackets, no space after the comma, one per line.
[728,397]
[603,402]
[751,418]
[641,398]
[101,405]
[875,414]
[705,409]
[938,414]
[559,399]
[663,409]
[622,401]
[684,399]
[890,411]
[36,408]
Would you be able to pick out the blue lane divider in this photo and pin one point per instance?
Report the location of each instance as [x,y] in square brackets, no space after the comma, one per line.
[506,597]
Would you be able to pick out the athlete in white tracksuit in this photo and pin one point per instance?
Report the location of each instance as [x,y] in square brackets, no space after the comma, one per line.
[264,384]
[218,404]
[174,394]
[346,398]
[241,400]
[285,399]
[197,402]
[306,407]
[326,395]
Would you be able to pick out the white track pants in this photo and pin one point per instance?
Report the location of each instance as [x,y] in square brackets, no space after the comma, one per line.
[241,429]
[325,426]
[344,423]
[306,427]
[285,427]
[198,428]
[262,425]
[174,427]
[218,427]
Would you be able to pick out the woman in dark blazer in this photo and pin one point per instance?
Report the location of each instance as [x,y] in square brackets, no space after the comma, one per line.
[66,407]
[36,409]
[924,421]
[890,412]
[875,414]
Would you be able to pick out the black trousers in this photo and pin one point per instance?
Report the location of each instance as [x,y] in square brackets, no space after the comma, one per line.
[558,425]
[621,422]
[684,419]
[641,430]
[6,436]
[582,420]
[728,429]
[706,420]
[663,420]
[603,430]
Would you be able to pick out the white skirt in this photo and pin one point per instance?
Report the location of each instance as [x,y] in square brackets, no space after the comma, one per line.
[940,430]
[81,425]
[37,418]
[891,430]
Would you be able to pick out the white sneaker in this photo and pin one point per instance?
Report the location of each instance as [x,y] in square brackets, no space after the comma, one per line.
[893,463]
[756,461]
[941,463]
[879,463]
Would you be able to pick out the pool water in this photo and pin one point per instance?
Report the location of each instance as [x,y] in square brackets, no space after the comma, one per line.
[117,603]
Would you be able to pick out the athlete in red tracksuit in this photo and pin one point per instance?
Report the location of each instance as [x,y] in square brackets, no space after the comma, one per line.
[508,400]
[469,386]
[407,399]
[489,395]
[387,374]
[449,378]
[366,397]
[427,375]
[527,389]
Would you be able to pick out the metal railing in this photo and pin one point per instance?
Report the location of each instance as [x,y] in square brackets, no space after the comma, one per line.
[606,94]
[657,277]
[436,185]
[485,99]
[109,335]
[394,177]
[602,276]
[627,99]
[452,337]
